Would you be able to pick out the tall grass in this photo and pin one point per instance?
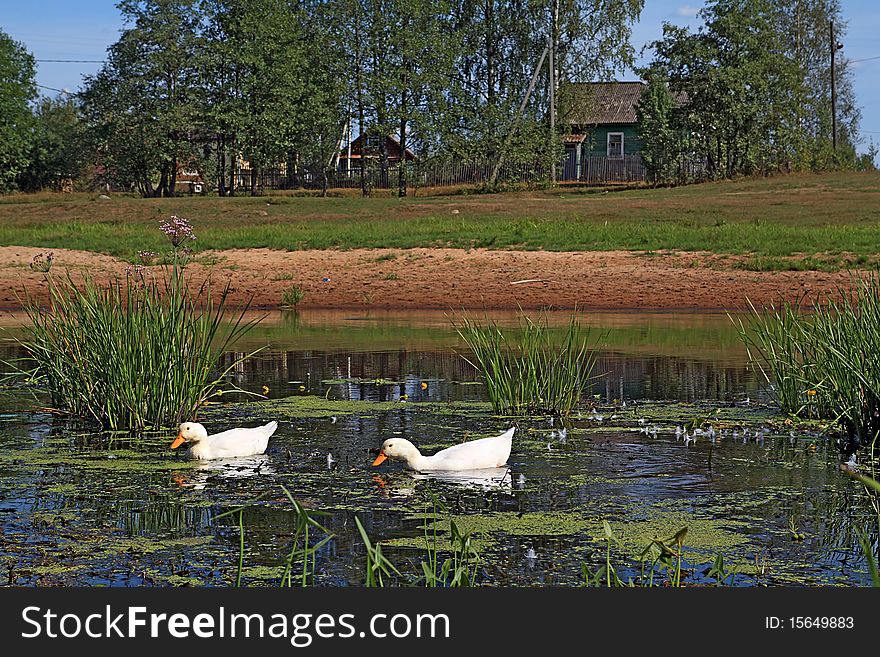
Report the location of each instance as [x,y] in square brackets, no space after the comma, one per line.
[292,296]
[781,353]
[303,550]
[457,571]
[823,363]
[532,369]
[130,355]
[378,566]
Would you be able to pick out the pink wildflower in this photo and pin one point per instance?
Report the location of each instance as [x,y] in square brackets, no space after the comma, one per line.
[177,230]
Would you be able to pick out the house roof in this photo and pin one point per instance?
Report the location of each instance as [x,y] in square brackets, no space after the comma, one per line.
[392,139]
[592,103]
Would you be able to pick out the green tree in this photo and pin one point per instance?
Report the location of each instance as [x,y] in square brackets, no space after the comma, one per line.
[755,84]
[739,88]
[17,90]
[325,107]
[422,52]
[269,63]
[383,39]
[142,107]
[804,29]
[502,42]
[58,152]
[657,132]
[447,77]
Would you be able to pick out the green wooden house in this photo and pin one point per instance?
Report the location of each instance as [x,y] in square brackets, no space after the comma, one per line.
[602,140]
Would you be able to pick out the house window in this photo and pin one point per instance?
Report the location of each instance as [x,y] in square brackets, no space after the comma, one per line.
[615,145]
[372,142]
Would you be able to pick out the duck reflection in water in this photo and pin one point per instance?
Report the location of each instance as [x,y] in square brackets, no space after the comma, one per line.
[235,468]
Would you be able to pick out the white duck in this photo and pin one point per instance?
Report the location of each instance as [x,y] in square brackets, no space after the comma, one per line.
[473,455]
[235,442]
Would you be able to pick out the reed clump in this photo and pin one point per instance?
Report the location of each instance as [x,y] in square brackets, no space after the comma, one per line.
[134,354]
[533,368]
[292,296]
[823,363]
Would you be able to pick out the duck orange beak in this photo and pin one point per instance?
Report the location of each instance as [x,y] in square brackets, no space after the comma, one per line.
[380,459]
[177,442]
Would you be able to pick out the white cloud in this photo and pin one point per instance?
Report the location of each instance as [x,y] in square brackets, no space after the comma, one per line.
[687,11]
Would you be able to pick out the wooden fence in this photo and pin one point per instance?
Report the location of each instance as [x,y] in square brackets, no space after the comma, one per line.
[433,173]
[599,169]
[595,170]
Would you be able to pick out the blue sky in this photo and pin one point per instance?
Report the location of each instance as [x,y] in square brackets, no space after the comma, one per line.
[83,29]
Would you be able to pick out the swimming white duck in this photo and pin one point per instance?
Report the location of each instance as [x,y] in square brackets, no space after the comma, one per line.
[227,444]
[473,455]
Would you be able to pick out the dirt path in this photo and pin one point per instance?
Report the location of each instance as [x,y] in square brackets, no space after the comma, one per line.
[444,278]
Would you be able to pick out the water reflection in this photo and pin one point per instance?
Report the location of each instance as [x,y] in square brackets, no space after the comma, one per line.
[447,376]
[232,468]
[497,479]
[114,511]
[680,355]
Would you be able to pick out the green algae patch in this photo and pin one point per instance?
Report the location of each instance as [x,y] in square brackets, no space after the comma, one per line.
[69,553]
[359,381]
[312,406]
[56,569]
[97,460]
[178,581]
[263,575]
[541,523]
[62,489]
[510,523]
[705,535]
[52,518]
[146,545]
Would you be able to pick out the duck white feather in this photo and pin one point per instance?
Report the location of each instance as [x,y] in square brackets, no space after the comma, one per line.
[227,444]
[473,455]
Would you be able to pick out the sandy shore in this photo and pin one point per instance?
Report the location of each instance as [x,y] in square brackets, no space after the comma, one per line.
[452,278]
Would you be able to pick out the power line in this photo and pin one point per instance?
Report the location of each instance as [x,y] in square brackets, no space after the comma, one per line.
[866,59]
[71,61]
[61,91]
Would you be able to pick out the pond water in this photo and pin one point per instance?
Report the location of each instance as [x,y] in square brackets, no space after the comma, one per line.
[84,508]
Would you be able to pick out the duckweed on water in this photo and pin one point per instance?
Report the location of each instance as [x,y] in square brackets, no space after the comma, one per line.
[62,489]
[86,495]
[707,535]
[77,554]
[106,461]
[52,518]
[311,406]
[377,382]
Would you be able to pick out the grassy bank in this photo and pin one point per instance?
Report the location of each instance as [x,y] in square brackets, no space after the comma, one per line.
[814,214]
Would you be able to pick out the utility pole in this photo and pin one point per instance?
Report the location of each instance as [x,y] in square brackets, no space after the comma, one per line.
[552,51]
[522,107]
[348,153]
[834,48]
